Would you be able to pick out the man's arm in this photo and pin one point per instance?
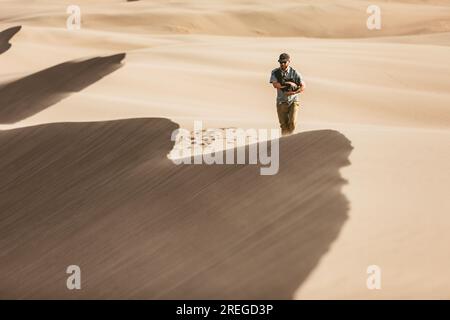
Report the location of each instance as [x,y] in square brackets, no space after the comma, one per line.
[298,81]
[300,89]
[277,85]
[274,81]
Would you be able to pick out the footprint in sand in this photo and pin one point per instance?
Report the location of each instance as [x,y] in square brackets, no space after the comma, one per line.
[206,141]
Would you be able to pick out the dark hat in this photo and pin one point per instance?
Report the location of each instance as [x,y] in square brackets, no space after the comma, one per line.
[284,57]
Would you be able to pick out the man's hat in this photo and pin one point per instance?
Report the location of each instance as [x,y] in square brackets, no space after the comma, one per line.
[284,57]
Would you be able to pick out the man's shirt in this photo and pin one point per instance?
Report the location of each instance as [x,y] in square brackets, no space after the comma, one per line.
[290,73]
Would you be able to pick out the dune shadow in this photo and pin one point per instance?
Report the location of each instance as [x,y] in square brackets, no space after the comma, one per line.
[7,35]
[104,196]
[29,95]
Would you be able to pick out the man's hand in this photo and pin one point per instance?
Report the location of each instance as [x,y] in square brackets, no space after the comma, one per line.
[293,84]
[299,90]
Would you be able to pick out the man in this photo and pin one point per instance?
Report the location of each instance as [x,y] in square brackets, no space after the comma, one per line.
[289,84]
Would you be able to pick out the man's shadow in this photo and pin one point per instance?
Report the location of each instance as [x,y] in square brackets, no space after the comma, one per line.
[104,196]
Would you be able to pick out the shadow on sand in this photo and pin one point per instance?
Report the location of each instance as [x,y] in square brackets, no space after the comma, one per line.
[7,35]
[27,96]
[104,196]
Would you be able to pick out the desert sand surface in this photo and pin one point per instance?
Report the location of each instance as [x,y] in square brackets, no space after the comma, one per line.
[86,118]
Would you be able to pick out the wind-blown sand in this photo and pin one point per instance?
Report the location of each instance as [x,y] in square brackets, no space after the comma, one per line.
[86,118]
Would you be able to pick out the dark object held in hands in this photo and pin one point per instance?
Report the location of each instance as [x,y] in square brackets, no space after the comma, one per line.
[286,86]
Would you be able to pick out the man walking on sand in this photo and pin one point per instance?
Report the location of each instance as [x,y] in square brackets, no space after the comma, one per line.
[289,84]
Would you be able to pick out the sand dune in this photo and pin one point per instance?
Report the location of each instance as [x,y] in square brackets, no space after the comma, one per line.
[120,208]
[86,117]
[331,18]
